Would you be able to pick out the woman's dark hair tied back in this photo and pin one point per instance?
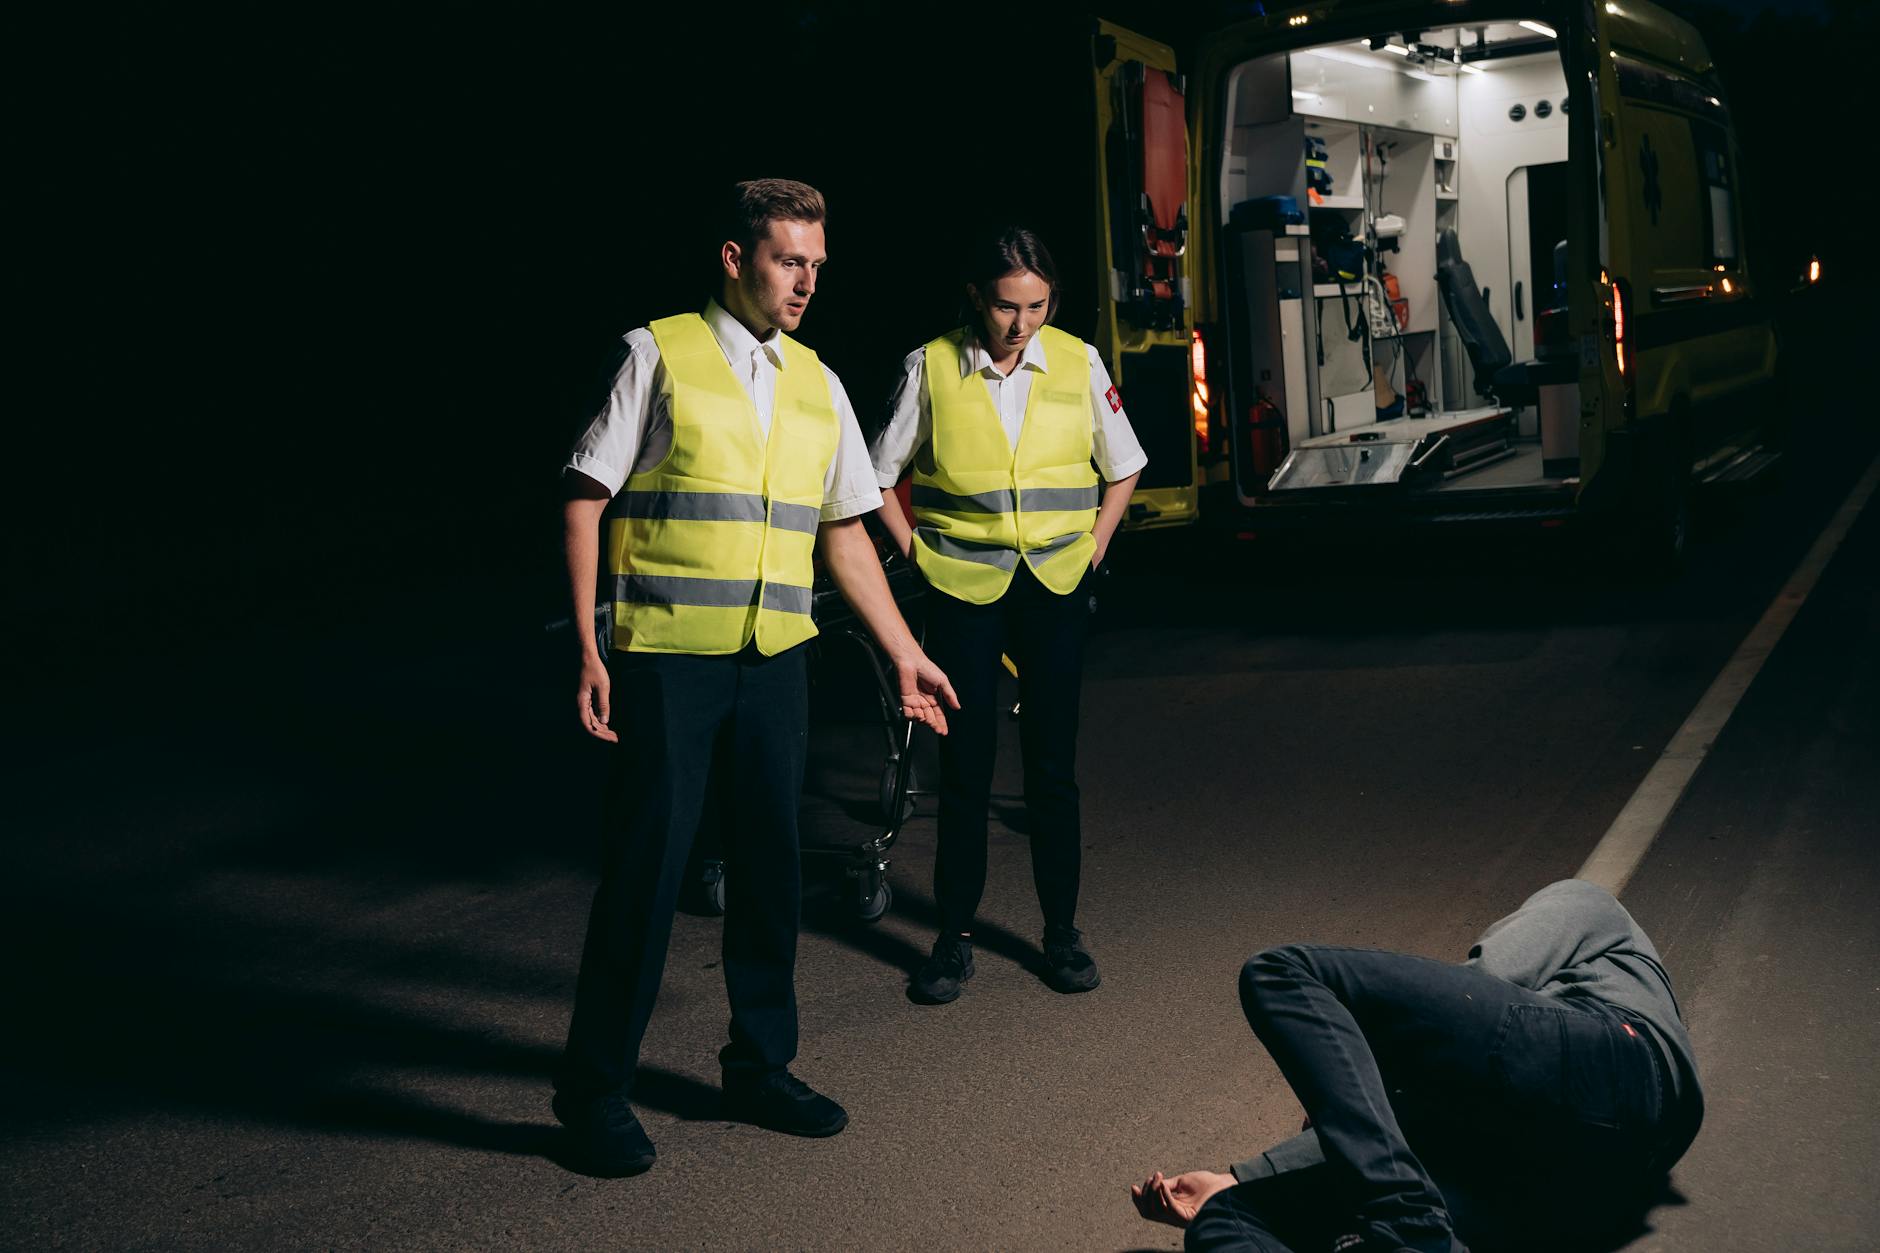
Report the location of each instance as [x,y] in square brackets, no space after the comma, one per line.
[1002,252]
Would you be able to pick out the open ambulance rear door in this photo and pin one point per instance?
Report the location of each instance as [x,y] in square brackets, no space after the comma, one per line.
[1145,314]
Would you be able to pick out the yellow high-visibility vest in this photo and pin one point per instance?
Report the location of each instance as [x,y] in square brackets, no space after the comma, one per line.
[714,547]
[979,503]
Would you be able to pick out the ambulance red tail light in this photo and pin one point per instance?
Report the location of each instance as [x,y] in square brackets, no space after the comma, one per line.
[1625,343]
[1620,349]
[1199,398]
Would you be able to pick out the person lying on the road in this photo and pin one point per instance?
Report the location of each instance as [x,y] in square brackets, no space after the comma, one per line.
[1532,1096]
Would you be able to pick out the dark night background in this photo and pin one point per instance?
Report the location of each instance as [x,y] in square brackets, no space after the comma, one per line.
[315,302]
[298,834]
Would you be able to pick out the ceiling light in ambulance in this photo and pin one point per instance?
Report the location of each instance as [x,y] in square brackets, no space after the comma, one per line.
[1349,58]
[1539,28]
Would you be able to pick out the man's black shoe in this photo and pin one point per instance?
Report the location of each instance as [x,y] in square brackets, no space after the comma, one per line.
[601,1137]
[1067,968]
[780,1101]
[939,978]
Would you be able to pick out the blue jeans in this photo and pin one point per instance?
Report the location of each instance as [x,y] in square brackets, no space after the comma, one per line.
[1447,1106]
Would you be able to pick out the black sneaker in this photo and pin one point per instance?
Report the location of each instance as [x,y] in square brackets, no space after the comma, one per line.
[1067,968]
[779,1101]
[601,1137]
[939,978]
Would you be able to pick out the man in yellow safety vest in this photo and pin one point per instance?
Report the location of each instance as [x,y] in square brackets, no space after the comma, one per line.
[724,453]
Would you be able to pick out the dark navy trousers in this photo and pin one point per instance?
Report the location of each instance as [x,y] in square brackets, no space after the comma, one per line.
[674,713]
[1044,634]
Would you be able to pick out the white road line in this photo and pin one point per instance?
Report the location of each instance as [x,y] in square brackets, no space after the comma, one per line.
[1619,851]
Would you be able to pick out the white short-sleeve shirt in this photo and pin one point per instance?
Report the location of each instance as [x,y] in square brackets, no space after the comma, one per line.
[1113,443]
[633,430]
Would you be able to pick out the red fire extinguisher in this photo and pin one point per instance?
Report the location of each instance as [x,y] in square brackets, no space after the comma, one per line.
[1264,438]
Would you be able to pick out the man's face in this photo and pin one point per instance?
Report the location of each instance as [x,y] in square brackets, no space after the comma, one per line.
[774,278]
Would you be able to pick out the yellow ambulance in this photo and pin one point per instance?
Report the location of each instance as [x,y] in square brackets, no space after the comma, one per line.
[1431,262]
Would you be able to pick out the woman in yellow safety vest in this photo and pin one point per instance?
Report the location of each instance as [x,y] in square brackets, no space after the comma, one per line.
[1023,462]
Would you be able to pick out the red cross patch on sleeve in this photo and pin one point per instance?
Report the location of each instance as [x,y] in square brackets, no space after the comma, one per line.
[1116,402]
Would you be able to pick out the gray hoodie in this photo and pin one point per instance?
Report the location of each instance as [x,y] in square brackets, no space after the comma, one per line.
[1573,939]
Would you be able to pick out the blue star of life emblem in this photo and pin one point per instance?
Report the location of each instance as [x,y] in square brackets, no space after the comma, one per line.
[1648,166]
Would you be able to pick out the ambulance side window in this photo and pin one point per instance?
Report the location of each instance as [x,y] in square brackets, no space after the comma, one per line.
[1713,154]
[1668,206]
[1678,151]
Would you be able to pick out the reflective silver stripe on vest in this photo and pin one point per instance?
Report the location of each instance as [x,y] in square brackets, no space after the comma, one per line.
[692,506]
[929,497]
[786,599]
[673,589]
[1051,546]
[967,550]
[1057,499]
[788,517]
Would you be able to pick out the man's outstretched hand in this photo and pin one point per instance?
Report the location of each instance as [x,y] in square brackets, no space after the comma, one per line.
[591,700]
[1176,1201]
[926,695]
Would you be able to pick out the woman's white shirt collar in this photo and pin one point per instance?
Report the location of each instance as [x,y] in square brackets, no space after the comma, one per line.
[976,360]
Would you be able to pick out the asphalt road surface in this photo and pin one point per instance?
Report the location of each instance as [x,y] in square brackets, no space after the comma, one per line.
[292,938]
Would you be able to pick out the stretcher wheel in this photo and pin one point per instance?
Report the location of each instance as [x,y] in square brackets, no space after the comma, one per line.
[887,792]
[712,887]
[873,896]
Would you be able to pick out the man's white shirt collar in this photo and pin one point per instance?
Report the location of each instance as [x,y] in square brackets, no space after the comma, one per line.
[737,342]
[976,360]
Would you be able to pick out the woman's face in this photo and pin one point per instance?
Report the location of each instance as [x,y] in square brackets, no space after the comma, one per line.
[1012,311]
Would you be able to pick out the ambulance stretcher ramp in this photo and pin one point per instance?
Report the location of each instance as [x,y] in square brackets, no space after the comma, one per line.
[1403,449]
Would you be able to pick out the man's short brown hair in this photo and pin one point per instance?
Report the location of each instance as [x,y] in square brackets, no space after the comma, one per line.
[754,205]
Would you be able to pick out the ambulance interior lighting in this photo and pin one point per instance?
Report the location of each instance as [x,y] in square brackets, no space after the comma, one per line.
[1349,58]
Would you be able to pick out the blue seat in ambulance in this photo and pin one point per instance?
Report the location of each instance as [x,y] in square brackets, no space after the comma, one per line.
[1497,374]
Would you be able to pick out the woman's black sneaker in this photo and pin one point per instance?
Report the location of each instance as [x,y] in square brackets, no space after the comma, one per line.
[939,978]
[1067,967]
[601,1137]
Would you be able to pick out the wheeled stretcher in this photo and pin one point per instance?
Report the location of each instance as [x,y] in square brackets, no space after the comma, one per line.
[843,650]
[842,641]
